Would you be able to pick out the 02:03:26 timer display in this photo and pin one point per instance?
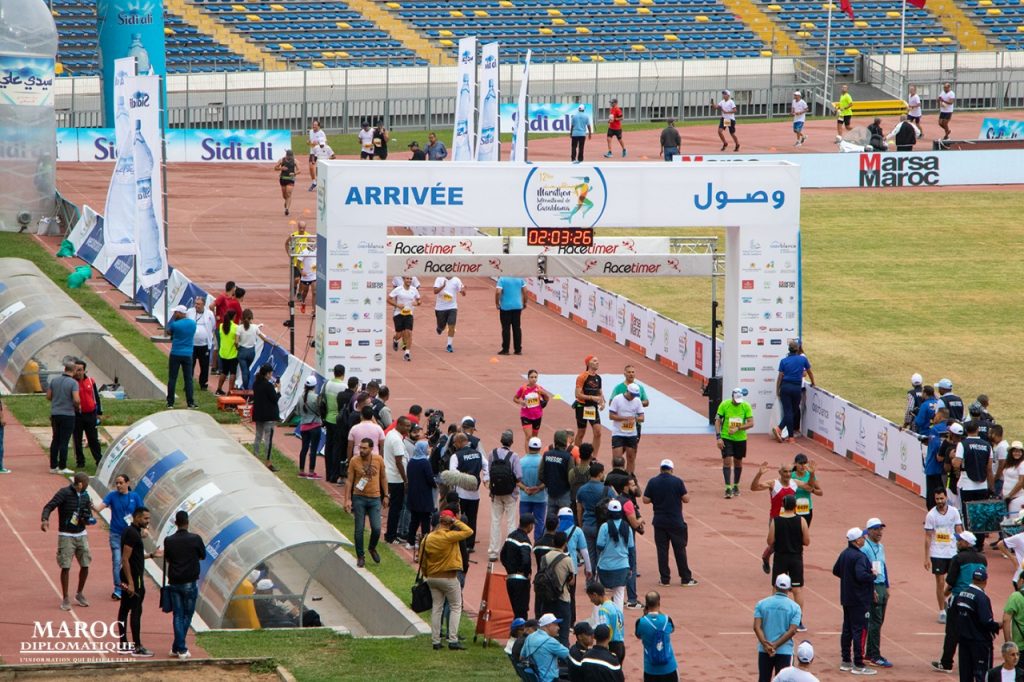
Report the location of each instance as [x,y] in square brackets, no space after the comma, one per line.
[560,236]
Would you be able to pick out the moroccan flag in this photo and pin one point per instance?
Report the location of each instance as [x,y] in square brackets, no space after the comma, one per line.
[846,7]
[917,3]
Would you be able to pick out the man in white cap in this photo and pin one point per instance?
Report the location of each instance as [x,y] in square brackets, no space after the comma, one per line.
[953,402]
[799,110]
[629,377]
[545,649]
[667,493]
[732,421]
[626,412]
[915,396]
[776,619]
[856,591]
[958,579]
[727,108]
[875,552]
[941,525]
[801,671]
[182,331]
[580,131]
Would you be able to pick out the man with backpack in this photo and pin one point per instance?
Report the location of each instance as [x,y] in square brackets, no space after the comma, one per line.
[468,460]
[553,585]
[576,548]
[592,506]
[505,474]
[541,651]
[655,630]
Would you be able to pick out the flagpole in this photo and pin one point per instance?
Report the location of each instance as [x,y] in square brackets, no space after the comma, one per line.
[828,56]
[903,38]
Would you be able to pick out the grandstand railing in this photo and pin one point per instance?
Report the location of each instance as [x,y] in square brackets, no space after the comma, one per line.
[647,90]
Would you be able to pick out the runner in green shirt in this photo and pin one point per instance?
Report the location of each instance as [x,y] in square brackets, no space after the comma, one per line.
[733,420]
[803,473]
[1013,614]
[844,110]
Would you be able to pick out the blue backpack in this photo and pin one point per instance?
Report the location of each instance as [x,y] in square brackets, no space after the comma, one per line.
[658,653]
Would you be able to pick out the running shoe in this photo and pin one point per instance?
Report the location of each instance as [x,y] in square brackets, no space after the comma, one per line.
[942,617]
[845,667]
[801,627]
[724,147]
[184,655]
[66,471]
[623,153]
[311,187]
[394,344]
[313,474]
[408,356]
[54,471]
[728,492]
[4,471]
[880,662]
[303,474]
[81,600]
[114,596]
[142,652]
[863,670]
[689,583]
[65,605]
[777,433]
[634,605]
[937,667]
[735,490]
[608,155]
[449,348]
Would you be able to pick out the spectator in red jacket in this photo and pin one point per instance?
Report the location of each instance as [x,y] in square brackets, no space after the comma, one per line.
[88,418]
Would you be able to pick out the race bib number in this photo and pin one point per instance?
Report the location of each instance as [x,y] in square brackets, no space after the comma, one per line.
[734,424]
[803,506]
[362,483]
[406,311]
[448,298]
[532,400]
[628,425]
[943,537]
[589,412]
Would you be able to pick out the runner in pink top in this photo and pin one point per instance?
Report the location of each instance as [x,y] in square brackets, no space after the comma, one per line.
[531,398]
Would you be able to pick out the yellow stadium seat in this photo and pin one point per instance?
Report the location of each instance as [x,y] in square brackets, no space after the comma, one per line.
[253,17]
[803,34]
[945,39]
[240,8]
[642,10]
[286,46]
[646,2]
[545,31]
[318,65]
[558,22]
[277,8]
[860,24]
[445,34]
[766,53]
[168,31]
[341,55]
[620,3]
[909,50]
[572,59]
[701,19]
[480,13]
[829,6]
[54,13]
[671,37]
[447,43]
[893,15]
[929,41]
[58,69]
[394,5]
[582,30]
[456,13]
[993,11]
[638,48]
[596,58]
[554,13]
[1020,29]
[807,24]
[774,8]
[505,3]
[342,24]
[984,3]
[327,55]
[851,51]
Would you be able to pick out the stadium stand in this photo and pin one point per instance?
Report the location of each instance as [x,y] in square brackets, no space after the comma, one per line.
[1000,20]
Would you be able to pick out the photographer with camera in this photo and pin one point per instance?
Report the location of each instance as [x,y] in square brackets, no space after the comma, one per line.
[74,513]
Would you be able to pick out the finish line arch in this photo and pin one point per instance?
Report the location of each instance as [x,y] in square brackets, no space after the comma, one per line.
[758,204]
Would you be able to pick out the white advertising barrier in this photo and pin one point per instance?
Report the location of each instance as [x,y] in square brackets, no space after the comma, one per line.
[447,245]
[689,265]
[555,117]
[892,169]
[865,438]
[527,265]
[183,145]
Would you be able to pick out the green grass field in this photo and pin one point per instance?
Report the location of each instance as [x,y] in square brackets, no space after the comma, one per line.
[896,283]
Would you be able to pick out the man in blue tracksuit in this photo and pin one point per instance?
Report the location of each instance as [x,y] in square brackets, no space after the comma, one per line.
[926,410]
[856,592]
[933,463]
[789,389]
[545,649]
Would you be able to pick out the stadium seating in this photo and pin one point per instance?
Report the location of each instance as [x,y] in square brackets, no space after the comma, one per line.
[1001,20]
[187,48]
[598,30]
[876,28]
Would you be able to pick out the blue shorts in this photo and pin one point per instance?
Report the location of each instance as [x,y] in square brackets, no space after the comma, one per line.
[798,126]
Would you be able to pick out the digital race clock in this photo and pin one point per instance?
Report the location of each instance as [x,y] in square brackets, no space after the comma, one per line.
[559,236]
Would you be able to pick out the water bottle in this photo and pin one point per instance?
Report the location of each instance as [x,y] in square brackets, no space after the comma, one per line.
[464,112]
[119,218]
[137,50]
[28,132]
[485,148]
[150,243]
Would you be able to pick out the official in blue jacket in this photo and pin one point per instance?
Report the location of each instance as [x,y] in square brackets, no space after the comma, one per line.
[856,592]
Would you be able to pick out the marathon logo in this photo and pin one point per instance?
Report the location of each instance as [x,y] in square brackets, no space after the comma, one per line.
[878,170]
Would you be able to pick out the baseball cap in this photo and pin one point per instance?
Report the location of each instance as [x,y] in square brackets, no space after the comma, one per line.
[741,392]
[565,511]
[582,628]
[1016,445]
[726,92]
[535,443]
[980,573]
[783,582]
[854,533]
[311,381]
[967,536]
[254,576]
[945,383]
[447,512]
[916,379]
[974,409]
[468,421]
[582,108]
[667,464]
[548,619]
[414,143]
[797,94]
[614,506]
[265,585]
[517,623]
[179,309]
[805,652]
[634,389]
[956,429]
[874,522]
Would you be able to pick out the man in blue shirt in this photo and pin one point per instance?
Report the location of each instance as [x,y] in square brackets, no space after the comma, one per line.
[510,300]
[875,552]
[544,648]
[607,612]
[667,493]
[933,464]
[182,331]
[533,495]
[927,410]
[655,630]
[123,502]
[789,388]
[776,619]
[436,151]
[581,130]
[587,497]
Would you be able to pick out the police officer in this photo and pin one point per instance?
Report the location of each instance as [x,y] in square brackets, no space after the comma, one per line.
[915,396]
[953,402]
[468,460]
[976,628]
[977,414]
[958,578]
[972,459]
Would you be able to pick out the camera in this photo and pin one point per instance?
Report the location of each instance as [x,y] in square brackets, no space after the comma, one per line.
[435,418]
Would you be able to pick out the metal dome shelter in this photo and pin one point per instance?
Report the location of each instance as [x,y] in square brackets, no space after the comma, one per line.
[250,521]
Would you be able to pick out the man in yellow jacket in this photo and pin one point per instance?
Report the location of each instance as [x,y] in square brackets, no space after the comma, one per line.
[440,561]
